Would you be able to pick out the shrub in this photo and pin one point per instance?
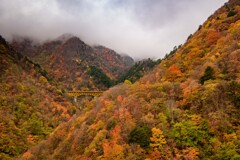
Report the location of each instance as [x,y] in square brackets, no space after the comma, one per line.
[234,93]
[141,135]
[231,13]
[100,76]
[208,74]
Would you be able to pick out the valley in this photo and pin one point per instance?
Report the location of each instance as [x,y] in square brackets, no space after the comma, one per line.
[65,99]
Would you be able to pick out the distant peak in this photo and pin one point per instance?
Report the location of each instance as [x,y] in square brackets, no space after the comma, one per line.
[99,46]
[75,39]
[65,37]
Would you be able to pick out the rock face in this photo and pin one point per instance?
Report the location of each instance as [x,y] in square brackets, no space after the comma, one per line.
[69,61]
[186,108]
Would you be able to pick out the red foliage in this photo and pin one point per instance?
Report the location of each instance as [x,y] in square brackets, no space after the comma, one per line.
[212,37]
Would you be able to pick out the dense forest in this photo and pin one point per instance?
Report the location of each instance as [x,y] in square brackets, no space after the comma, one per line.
[31,106]
[73,64]
[185,107]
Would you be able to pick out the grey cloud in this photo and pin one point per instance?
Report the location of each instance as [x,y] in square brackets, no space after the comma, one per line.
[140,28]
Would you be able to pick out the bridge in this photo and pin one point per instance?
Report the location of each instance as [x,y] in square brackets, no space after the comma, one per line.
[76,94]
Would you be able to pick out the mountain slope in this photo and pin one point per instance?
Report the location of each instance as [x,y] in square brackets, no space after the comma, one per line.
[70,62]
[138,70]
[187,108]
[31,107]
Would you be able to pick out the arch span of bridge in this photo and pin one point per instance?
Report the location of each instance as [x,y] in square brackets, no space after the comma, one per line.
[76,94]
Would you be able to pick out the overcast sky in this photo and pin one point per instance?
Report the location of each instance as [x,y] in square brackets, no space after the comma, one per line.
[139,28]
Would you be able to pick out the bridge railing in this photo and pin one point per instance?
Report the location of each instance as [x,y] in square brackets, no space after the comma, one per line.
[76,94]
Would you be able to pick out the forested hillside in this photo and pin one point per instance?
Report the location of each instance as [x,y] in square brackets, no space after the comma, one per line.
[31,106]
[138,70]
[186,108]
[73,64]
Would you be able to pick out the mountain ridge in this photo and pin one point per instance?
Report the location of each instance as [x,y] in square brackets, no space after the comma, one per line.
[74,56]
[186,108]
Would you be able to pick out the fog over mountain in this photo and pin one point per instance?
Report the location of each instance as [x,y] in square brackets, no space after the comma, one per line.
[140,28]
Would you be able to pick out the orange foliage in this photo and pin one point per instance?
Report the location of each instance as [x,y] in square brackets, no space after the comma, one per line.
[111,148]
[212,37]
[119,98]
[62,109]
[189,89]
[32,138]
[154,155]
[190,153]
[115,134]
[173,72]
[112,151]
[192,131]
[27,155]
[187,154]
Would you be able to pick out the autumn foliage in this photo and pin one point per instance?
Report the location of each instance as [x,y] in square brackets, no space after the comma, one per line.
[186,108]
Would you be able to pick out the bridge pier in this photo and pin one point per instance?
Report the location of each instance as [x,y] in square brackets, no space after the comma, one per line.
[75,99]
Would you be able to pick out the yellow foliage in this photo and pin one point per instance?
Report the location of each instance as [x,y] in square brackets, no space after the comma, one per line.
[97,126]
[196,118]
[43,80]
[96,142]
[127,82]
[230,137]
[157,139]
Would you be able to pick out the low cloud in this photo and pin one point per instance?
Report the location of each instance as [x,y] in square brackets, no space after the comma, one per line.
[139,28]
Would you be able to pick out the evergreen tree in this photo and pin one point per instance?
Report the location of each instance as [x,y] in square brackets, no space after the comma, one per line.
[208,74]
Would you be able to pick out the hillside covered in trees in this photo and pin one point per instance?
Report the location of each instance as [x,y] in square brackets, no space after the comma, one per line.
[186,108]
[31,107]
[73,64]
[138,70]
